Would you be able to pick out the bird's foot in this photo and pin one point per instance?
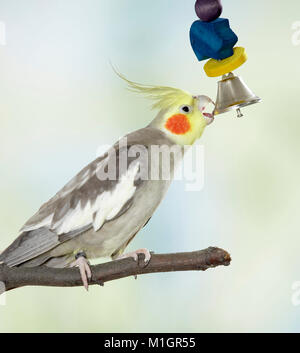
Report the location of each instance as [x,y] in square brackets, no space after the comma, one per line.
[135,255]
[84,267]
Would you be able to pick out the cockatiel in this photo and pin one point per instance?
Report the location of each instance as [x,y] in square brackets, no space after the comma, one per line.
[95,216]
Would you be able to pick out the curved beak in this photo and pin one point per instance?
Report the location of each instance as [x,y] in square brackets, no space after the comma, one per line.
[209,118]
[203,102]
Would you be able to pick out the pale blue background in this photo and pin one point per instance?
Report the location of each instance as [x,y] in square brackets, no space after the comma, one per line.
[60,101]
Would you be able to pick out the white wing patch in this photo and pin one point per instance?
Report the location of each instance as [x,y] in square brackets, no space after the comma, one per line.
[114,201]
[74,184]
[107,205]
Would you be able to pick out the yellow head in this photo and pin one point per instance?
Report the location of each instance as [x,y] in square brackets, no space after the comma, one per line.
[182,116]
[185,119]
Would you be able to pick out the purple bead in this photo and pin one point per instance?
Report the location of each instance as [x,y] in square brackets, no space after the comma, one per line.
[208,10]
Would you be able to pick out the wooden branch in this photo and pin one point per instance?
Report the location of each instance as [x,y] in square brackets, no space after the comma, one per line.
[69,277]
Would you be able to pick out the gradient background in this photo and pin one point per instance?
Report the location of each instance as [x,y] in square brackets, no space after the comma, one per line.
[60,101]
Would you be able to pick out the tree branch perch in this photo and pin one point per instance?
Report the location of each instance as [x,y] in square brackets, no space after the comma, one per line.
[70,277]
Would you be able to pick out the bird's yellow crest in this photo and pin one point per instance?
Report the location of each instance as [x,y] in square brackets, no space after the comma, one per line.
[164,97]
[181,114]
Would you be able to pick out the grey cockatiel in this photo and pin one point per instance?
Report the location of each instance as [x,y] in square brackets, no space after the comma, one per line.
[103,207]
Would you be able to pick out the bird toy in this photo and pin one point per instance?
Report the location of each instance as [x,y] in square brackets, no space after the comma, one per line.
[212,38]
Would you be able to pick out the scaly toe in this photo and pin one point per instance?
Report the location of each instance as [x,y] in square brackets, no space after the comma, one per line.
[84,269]
[147,254]
[132,255]
[135,255]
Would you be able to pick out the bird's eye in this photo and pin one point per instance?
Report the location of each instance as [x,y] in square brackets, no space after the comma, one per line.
[186,109]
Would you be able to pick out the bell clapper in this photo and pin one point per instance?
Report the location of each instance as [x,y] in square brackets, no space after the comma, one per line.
[239,113]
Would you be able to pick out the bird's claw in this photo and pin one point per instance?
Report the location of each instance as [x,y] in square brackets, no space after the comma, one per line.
[135,256]
[85,270]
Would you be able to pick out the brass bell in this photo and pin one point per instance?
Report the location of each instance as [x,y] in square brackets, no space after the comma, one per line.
[233,94]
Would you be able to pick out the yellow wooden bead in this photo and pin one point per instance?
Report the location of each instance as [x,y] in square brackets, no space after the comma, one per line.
[215,68]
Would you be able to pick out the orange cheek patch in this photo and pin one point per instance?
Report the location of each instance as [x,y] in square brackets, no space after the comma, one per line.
[178,124]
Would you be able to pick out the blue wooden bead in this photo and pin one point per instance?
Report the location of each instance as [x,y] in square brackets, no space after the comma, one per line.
[212,39]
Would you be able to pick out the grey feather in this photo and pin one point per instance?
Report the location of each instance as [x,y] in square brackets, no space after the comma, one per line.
[47,260]
[59,262]
[29,245]
[37,261]
[44,245]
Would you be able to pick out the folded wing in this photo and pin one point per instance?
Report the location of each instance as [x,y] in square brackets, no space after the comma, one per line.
[86,201]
